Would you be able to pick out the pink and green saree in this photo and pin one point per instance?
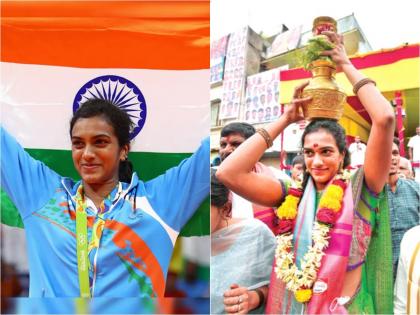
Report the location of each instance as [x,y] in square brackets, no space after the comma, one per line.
[360,236]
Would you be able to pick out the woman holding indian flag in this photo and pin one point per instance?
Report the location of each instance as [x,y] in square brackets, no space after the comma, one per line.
[106,235]
[109,234]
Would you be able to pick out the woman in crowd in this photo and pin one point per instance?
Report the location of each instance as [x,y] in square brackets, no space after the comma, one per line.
[327,226]
[241,256]
[109,234]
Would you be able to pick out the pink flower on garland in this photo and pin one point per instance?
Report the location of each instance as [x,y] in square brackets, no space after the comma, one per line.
[295,192]
[339,183]
[326,216]
[285,226]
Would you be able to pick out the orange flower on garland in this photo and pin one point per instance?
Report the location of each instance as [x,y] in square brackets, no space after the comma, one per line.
[303,295]
[288,209]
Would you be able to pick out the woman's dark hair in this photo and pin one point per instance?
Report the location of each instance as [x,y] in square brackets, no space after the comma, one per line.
[334,129]
[120,122]
[219,192]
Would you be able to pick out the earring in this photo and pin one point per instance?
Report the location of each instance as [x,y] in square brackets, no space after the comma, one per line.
[227,222]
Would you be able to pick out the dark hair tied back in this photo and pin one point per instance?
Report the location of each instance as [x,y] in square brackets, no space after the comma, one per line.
[125,171]
[219,192]
[117,118]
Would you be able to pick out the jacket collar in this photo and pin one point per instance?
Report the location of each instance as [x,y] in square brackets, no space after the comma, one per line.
[71,188]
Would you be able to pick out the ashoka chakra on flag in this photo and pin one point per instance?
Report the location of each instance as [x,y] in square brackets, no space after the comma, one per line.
[121,92]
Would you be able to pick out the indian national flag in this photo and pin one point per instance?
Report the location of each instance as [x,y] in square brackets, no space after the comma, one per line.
[149,57]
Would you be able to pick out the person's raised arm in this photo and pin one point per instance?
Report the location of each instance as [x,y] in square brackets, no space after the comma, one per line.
[236,171]
[178,193]
[379,145]
[28,182]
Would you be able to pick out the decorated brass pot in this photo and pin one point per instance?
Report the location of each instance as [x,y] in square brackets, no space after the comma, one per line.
[324,23]
[327,97]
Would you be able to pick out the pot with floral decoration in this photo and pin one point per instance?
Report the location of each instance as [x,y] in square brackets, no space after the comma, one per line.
[327,97]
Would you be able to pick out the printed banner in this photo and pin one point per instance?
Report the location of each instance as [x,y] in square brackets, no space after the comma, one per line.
[284,42]
[262,96]
[234,78]
[217,59]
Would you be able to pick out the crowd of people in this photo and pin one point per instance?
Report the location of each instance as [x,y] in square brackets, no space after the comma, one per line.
[341,223]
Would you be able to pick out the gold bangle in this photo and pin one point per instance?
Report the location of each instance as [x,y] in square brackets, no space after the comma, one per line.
[266,136]
[360,83]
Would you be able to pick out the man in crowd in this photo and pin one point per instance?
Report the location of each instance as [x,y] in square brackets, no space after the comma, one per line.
[298,165]
[357,152]
[406,290]
[405,170]
[403,200]
[231,137]
[414,153]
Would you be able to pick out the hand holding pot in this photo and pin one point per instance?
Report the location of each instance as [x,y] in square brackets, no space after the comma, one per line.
[292,111]
[338,53]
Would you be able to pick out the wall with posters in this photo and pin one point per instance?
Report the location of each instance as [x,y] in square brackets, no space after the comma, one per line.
[234,77]
[262,97]
[217,59]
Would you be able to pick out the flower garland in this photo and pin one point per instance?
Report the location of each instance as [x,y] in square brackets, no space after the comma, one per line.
[300,282]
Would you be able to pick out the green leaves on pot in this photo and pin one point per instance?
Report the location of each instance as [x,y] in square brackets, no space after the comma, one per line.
[316,45]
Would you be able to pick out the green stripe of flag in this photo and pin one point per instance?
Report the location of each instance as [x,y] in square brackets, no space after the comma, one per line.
[147,165]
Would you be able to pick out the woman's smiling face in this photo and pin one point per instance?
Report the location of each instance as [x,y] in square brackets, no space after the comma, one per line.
[95,150]
[322,157]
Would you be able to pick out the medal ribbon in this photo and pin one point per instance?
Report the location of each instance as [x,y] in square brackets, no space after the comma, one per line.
[82,246]
[83,250]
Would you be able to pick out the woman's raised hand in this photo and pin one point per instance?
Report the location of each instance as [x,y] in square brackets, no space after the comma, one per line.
[338,53]
[293,111]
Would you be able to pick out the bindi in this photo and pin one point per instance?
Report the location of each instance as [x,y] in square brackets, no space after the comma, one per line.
[315,145]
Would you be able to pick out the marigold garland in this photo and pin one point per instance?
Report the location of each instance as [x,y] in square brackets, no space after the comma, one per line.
[303,295]
[288,208]
[300,281]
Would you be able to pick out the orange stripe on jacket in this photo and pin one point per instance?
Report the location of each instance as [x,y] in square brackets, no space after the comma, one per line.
[140,249]
[170,35]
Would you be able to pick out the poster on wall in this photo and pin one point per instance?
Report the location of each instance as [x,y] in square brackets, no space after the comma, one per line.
[284,42]
[262,96]
[217,59]
[292,136]
[290,139]
[234,76]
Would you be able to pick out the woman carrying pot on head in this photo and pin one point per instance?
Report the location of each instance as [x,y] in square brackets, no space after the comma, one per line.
[110,234]
[326,227]
[242,252]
